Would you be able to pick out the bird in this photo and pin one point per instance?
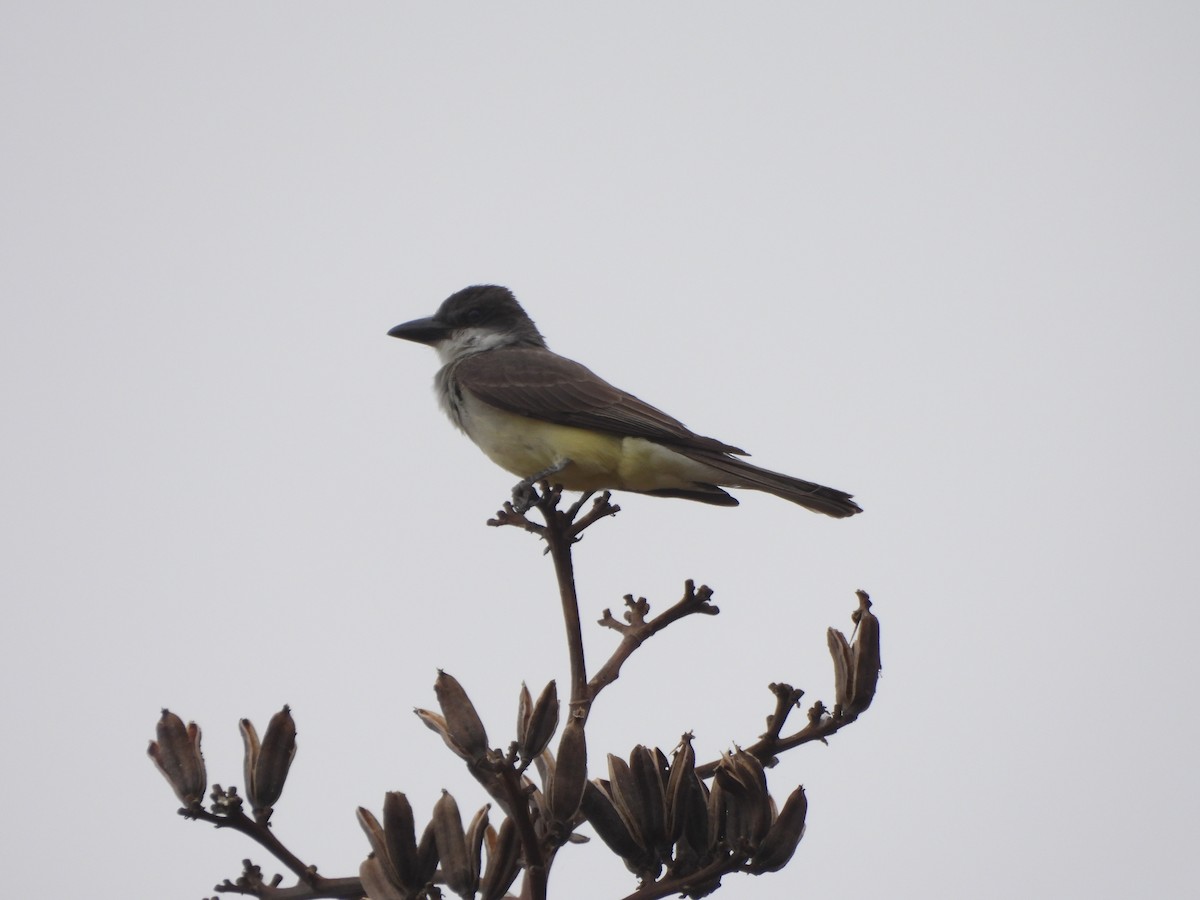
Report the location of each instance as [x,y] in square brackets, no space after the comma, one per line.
[544,417]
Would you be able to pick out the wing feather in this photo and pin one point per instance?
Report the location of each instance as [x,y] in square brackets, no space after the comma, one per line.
[542,385]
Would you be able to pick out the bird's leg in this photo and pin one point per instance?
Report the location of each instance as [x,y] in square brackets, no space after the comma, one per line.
[524,494]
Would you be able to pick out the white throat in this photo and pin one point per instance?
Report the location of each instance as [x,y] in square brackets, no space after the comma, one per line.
[466,341]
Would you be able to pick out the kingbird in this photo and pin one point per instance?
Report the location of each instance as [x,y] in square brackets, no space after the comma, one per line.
[542,416]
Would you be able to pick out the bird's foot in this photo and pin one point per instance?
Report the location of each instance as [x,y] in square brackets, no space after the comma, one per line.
[525,495]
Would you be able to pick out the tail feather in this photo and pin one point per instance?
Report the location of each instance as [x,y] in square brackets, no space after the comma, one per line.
[701,493]
[742,474]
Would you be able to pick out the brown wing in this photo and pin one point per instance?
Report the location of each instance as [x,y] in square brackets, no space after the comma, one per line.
[543,385]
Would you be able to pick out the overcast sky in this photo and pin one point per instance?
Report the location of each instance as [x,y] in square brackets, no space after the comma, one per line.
[944,256]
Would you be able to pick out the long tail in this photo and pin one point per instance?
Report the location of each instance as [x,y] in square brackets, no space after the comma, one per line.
[742,474]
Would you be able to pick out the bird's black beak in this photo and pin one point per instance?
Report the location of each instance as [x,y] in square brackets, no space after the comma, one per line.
[429,330]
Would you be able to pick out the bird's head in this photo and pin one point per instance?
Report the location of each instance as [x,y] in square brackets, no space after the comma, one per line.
[477,318]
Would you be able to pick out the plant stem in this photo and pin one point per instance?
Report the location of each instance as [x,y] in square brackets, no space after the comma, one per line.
[559,539]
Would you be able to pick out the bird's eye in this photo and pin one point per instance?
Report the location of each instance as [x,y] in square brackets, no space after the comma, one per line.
[474,315]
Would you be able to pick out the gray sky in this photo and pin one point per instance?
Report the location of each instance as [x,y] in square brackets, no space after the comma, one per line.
[943,256]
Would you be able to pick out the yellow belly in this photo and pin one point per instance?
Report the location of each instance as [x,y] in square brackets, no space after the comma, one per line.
[599,461]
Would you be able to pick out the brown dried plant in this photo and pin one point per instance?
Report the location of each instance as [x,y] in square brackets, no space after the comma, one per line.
[679,826]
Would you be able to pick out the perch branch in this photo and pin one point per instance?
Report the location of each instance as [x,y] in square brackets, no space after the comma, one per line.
[560,530]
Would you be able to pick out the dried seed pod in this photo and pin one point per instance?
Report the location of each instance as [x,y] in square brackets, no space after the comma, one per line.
[373,830]
[475,834]
[856,667]
[624,791]
[695,823]
[377,837]
[651,809]
[543,722]
[427,854]
[757,806]
[267,764]
[737,805]
[867,663]
[570,774]
[452,846]
[601,813]
[747,804]
[275,760]
[546,765]
[462,721]
[177,755]
[376,884]
[839,651]
[251,747]
[683,768]
[717,802]
[436,723]
[779,845]
[524,711]
[400,833]
[664,766]
[502,864]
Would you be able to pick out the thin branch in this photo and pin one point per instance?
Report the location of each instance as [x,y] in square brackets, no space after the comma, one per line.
[856,670]
[331,889]
[820,726]
[311,885]
[602,508]
[536,868]
[706,880]
[787,698]
[508,515]
[638,630]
